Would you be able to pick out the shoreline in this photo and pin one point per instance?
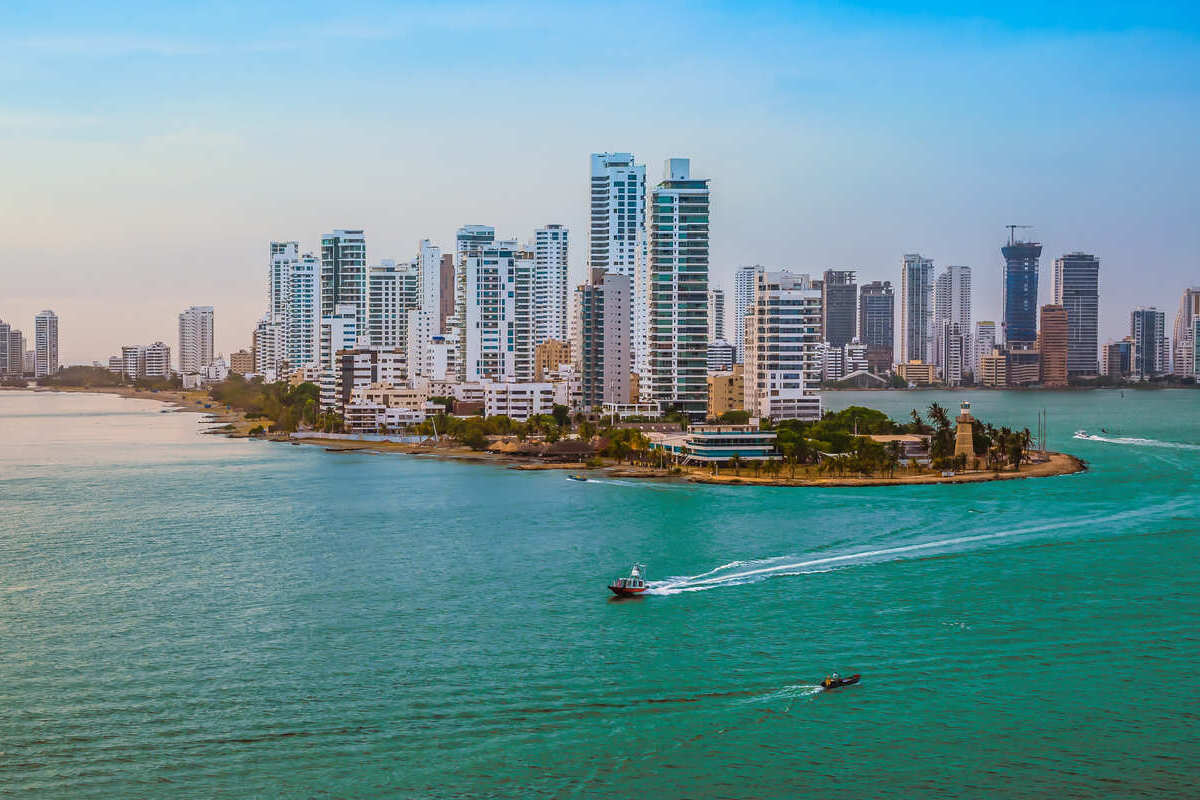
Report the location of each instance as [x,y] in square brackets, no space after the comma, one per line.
[233,424]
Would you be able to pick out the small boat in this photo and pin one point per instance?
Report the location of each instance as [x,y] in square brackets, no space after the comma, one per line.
[581,478]
[1081,434]
[635,584]
[834,681]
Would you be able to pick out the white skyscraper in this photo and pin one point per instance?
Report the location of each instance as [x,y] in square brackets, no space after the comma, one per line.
[393,291]
[270,346]
[339,331]
[617,235]
[550,284]
[499,313]
[1185,343]
[983,344]
[678,329]
[45,333]
[283,257]
[344,272]
[468,241]
[916,309]
[743,291]
[301,318]
[951,305]
[784,350]
[716,315]
[195,340]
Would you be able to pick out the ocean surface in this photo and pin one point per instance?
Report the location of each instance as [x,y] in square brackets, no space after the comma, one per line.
[187,616]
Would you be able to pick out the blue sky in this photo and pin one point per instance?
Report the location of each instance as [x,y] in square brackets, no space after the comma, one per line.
[150,151]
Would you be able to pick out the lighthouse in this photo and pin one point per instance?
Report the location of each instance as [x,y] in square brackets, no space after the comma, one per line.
[964,435]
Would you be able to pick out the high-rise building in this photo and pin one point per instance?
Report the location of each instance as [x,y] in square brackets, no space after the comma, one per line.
[984,343]
[876,324]
[617,238]
[783,348]
[344,272]
[952,305]
[140,361]
[1054,345]
[1184,355]
[720,355]
[603,337]
[1147,328]
[279,274]
[550,284]
[499,313]
[468,241]
[393,291]
[839,304]
[1116,358]
[12,350]
[716,314]
[269,343]
[953,344]
[45,332]
[446,291]
[301,321]
[1077,289]
[340,331]
[916,309]
[1019,297]
[195,340]
[678,332]
[743,299]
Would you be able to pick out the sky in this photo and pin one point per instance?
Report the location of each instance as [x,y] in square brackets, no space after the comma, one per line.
[149,152]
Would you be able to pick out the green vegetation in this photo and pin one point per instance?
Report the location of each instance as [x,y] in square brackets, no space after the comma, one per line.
[287,406]
[93,377]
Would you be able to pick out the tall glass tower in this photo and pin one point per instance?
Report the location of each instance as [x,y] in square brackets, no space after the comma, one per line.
[1019,298]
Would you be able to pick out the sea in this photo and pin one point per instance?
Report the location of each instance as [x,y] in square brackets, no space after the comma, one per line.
[188,616]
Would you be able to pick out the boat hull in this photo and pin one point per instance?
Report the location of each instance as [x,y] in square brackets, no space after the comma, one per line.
[624,591]
[850,681]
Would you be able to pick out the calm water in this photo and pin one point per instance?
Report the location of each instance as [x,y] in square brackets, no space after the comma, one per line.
[190,616]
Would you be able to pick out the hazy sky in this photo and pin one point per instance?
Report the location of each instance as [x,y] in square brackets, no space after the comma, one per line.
[149,153]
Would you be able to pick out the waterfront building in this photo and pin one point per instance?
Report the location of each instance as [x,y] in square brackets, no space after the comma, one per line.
[1054,346]
[550,284]
[195,340]
[716,315]
[993,369]
[269,343]
[1185,343]
[876,324]
[1116,358]
[603,338]
[833,363]
[301,320]
[617,239]
[29,362]
[548,356]
[783,348]
[952,305]
[393,292]
[344,272]
[116,365]
[954,362]
[1147,328]
[705,444]
[139,361]
[916,308]
[339,331]
[520,401]
[726,391]
[283,257]
[1024,365]
[45,333]
[1077,290]
[1019,297]
[468,241]
[366,366]
[917,372]
[983,344]
[839,306]
[678,330]
[241,362]
[721,355]
[744,282]
[499,313]
[12,350]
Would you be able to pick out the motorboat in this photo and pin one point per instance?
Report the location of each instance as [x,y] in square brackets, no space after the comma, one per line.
[580,478]
[835,681]
[631,586]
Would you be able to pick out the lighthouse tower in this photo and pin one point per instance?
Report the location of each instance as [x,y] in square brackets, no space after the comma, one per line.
[964,435]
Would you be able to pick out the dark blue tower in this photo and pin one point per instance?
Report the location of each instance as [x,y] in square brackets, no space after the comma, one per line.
[1020,296]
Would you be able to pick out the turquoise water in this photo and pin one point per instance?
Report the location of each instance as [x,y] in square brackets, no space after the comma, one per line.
[190,616]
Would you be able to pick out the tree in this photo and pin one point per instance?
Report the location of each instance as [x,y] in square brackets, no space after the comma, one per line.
[734,418]
[562,416]
[736,463]
[894,452]
[918,425]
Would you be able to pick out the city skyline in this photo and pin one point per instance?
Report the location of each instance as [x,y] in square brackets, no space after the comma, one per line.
[807,155]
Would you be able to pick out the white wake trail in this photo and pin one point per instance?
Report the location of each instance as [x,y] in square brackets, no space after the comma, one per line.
[1134,440]
[703,581]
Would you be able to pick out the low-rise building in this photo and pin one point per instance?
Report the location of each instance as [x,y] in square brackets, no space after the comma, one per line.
[705,444]
[913,446]
[520,401]
[241,362]
[549,356]
[917,372]
[993,369]
[726,391]
[1024,366]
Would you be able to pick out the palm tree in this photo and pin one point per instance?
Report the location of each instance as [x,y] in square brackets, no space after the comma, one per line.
[736,463]
[919,425]
[893,457]
[789,456]
[939,416]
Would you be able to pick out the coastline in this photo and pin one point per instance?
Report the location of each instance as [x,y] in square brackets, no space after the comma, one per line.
[233,424]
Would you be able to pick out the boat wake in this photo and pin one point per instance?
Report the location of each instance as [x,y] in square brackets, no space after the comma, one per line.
[1134,440]
[736,573]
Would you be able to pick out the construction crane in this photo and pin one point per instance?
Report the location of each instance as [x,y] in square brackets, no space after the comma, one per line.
[1012,229]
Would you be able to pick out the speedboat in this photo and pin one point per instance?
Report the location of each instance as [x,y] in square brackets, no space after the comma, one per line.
[1081,434]
[635,584]
[834,681]
[577,477]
